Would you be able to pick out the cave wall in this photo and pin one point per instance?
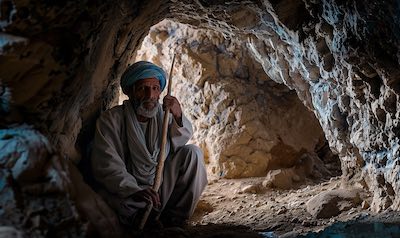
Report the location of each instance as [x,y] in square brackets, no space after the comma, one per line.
[61,63]
[342,58]
[246,123]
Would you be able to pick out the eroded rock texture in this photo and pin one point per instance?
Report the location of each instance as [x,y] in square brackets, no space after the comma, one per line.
[245,123]
[34,187]
[335,57]
[62,62]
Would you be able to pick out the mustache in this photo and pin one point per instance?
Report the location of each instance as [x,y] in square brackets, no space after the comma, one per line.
[143,111]
[140,103]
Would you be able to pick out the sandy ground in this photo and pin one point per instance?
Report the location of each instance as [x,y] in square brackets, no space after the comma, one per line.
[240,208]
[236,202]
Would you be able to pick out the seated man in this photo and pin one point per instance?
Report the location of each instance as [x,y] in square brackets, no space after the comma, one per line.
[126,148]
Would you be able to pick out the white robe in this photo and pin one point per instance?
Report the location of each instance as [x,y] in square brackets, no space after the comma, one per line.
[119,168]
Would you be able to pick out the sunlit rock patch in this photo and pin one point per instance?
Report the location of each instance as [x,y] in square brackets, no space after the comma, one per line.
[246,123]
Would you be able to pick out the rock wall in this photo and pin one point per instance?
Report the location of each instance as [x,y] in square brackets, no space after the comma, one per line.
[62,60]
[58,67]
[43,194]
[245,123]
[342,58]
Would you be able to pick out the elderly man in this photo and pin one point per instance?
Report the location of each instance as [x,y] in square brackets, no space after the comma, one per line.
[127,145]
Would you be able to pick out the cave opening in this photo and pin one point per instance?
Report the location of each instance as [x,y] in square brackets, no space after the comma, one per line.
[259,140]
[277,91]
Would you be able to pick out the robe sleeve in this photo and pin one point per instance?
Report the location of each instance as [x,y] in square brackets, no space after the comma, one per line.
[180,135]
[107,158]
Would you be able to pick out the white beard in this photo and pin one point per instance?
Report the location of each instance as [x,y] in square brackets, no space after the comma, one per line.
[144,112]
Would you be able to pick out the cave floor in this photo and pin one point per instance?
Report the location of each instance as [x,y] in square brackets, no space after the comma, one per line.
[227,202]
[273,212]
[229,209]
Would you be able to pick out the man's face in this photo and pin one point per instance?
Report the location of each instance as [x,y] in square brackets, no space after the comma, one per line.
[145,95]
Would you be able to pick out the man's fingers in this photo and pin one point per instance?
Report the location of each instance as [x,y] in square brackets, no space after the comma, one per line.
[153,196]
[170,100]
[171,103]
[149,196]
[168,103]
[147,199]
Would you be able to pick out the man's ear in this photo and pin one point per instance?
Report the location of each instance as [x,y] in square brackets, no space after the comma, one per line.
[131,91]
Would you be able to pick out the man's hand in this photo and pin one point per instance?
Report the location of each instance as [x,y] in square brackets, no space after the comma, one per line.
[173,104]
[147,195]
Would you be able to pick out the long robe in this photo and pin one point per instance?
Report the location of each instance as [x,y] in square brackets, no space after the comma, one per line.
[118,165]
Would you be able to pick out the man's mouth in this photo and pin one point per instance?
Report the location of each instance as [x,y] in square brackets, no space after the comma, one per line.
[148,104]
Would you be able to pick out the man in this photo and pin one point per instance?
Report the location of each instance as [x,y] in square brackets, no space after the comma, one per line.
[127,145]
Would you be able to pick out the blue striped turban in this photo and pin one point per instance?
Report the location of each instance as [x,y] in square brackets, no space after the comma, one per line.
[142,70]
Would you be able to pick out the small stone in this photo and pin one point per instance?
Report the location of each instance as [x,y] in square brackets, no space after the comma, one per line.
[212,181]
[308,223]
[266,183]
[250,189]
[352,211]
[365,205]
[282,210]
[296,178]
[331,203]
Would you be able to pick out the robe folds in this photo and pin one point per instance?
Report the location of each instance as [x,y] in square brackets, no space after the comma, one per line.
[124,160]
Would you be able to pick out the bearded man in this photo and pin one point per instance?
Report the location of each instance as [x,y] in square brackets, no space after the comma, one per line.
[126,148]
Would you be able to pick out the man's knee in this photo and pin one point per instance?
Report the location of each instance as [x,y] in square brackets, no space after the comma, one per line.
[193,151]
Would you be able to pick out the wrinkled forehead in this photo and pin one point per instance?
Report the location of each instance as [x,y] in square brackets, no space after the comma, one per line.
[148,82]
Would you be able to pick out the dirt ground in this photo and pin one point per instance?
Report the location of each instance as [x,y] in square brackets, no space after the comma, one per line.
[241,208]
[240,202]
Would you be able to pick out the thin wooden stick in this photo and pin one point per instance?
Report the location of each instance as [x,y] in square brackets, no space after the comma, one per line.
[161,157]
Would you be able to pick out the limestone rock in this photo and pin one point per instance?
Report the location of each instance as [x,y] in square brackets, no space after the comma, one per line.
[280,178]
[201,209]
[281,211]
[252,188]
[365,205]
[243,122]
[308,166]
[331,203]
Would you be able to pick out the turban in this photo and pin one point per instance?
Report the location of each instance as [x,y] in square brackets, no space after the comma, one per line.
[142,70]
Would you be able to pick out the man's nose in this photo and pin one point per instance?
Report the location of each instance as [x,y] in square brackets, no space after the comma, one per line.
[149,94]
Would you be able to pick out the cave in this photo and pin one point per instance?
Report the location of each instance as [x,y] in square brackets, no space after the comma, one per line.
[295,105]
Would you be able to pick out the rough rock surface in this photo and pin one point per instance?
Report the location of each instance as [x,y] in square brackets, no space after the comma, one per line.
[245,123]
[342,58]
[43,194]
[330,203]
[62,61]
[33,186]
